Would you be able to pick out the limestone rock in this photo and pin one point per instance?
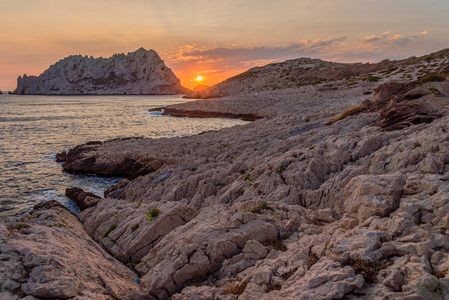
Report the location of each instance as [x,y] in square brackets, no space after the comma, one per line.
[325,280]
[366,196]
[82,199]
[283,207]
[49,255]
[131,234]
[137,73]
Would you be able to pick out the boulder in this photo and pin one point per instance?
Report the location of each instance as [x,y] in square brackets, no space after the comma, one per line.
[373,195]
[82,199]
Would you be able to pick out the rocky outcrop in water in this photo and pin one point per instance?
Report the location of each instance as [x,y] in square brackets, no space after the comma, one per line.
[81,198]
[137,73]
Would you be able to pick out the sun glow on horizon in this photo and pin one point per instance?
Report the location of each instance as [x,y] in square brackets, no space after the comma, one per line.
[213,38]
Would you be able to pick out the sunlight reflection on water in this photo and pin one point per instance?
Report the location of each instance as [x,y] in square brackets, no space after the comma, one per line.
[34,128]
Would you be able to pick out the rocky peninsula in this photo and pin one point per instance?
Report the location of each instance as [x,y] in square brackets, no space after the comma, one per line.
[339,191]
[141,72]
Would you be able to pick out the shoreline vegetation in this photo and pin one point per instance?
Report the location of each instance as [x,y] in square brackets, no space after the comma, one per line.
[338,189]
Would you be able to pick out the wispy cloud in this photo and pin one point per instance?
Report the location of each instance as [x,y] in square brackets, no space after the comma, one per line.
[327,48]
[192,53]
[389,38]
[225,61]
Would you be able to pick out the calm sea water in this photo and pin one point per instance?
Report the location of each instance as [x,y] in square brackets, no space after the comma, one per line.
[34,128]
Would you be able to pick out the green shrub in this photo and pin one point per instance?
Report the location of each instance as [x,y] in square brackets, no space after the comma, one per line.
[434,90]
[259,207]
[281,168]
[386,72]
[432,78]
[373,78]
[285,165]
[352,83]
[367,93]
[134,227]
[264,206]
[21,226]
[248,177]
[152,214]
[110,229]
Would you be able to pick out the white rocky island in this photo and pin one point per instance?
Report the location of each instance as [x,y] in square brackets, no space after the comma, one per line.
[141,72]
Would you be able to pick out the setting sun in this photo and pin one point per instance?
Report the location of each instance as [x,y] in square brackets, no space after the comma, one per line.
[199,78]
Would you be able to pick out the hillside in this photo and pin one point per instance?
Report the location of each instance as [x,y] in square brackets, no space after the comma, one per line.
[306,71]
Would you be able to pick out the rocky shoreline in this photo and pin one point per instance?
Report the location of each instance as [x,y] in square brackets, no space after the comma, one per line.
[340,191]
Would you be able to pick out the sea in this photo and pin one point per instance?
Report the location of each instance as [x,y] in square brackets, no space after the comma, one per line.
[34,128]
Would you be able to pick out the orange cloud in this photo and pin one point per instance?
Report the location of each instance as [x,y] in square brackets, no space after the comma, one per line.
[192,60]
[220,63]
[388,37]
[217,63]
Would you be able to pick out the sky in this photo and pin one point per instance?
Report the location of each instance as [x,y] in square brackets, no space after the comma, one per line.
[216,39]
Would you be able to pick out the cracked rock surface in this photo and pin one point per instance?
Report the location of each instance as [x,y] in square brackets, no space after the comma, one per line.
[284,207]
[48,255]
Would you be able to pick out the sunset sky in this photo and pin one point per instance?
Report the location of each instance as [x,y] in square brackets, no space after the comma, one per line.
[216,39]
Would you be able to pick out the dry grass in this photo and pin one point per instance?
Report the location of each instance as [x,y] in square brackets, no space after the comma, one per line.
[275,244]
[313,259]
[441,274]
[109,230]
[273,287]
[236,289]
[368,268]
[349,112]
[432,78]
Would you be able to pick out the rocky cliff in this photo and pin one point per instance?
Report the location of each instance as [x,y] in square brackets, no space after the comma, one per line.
[137,73]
